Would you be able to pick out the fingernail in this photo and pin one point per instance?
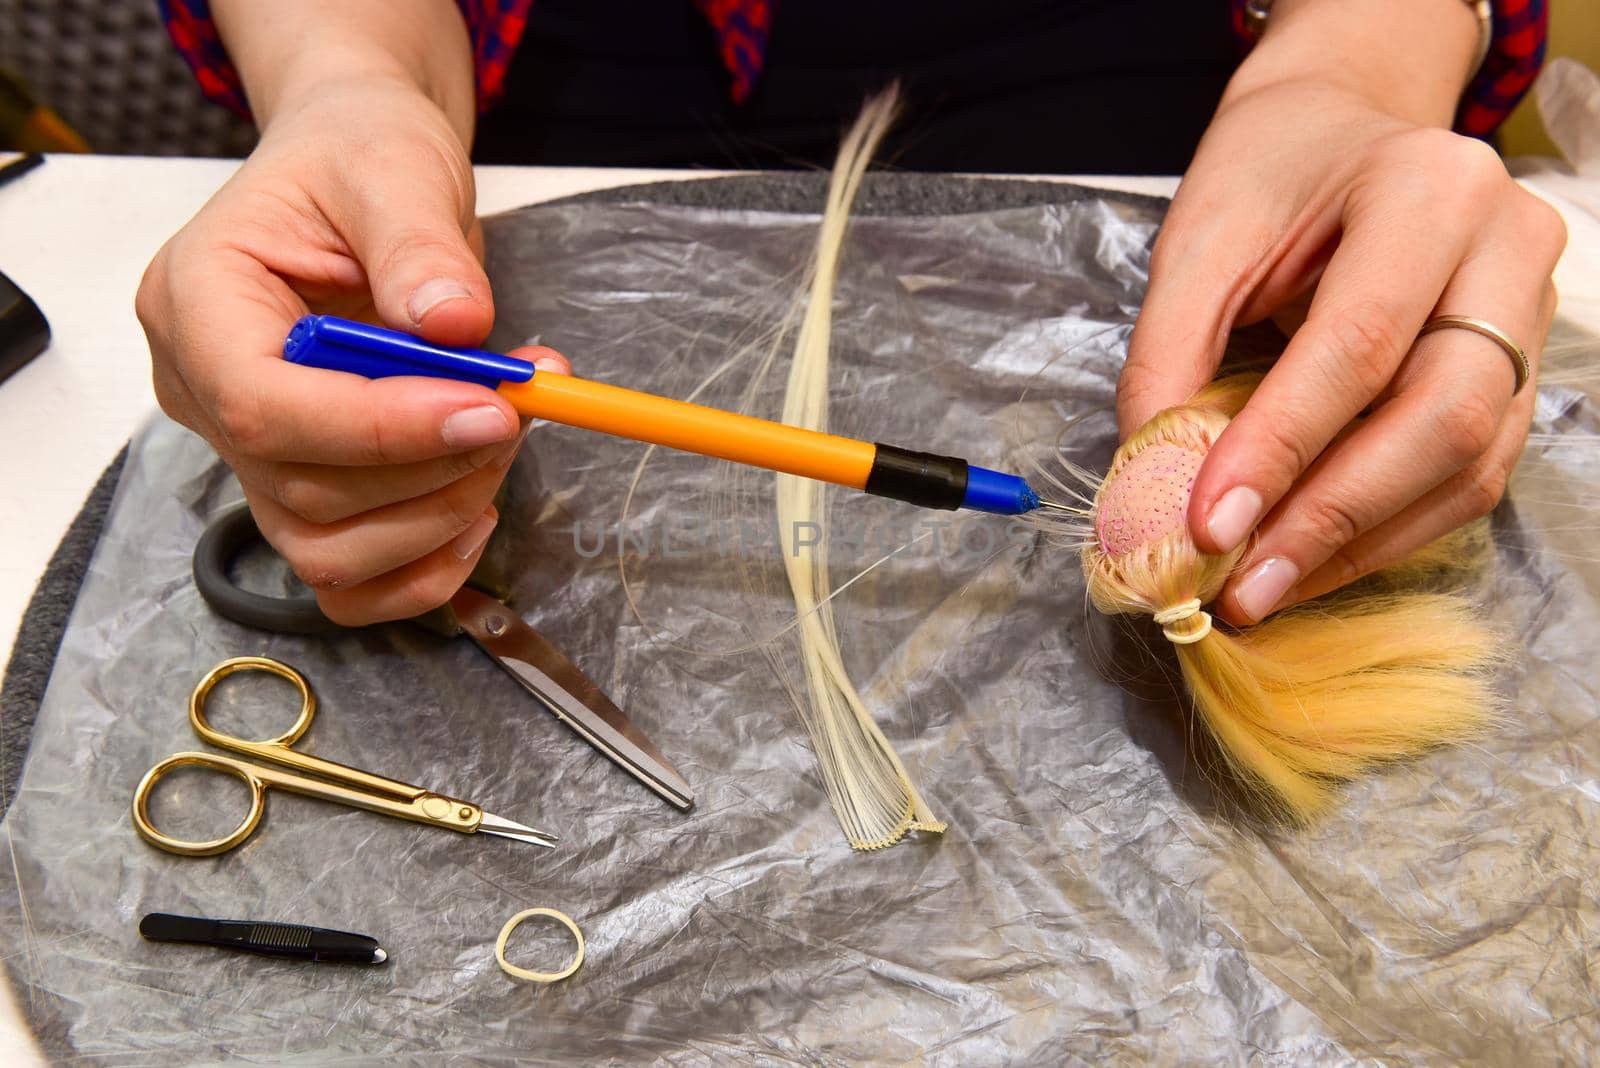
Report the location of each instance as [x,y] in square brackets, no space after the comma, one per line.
[1233,517]
[471,427]
[432,293]
[1260,591]
[469,541]
[509,453]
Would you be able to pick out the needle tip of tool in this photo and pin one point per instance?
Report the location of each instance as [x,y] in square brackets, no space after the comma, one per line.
[1052,504]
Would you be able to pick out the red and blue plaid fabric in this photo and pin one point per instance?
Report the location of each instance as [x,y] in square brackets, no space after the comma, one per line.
[190,26]
[1521,28]
[494,25]
[743,27]
[1516,52]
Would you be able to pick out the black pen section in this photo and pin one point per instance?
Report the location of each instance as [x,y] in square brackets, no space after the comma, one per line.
[921,478]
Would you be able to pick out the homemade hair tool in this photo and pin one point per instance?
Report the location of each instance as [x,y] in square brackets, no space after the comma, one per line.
[920,478]
[1315,695]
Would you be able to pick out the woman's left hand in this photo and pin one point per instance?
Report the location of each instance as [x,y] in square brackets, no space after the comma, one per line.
[1302,184]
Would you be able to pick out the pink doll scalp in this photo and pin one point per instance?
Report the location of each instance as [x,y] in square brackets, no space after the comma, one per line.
[1147,499]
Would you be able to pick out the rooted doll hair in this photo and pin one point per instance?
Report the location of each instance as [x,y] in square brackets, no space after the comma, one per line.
[1315,695]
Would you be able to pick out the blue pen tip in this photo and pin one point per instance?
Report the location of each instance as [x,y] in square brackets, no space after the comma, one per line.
[998,493]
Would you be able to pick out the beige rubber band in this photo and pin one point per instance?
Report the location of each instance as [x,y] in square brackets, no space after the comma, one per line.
[1179,613]
[532,976]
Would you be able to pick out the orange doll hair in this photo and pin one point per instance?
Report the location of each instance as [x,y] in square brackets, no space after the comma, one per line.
[1315,695]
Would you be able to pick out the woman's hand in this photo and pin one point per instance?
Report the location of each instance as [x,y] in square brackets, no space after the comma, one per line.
[1306,180]
[358,201]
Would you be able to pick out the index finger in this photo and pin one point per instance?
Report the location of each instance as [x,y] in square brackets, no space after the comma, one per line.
[1182,328]
[231,358]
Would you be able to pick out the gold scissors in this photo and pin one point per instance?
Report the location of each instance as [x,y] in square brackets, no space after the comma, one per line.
[334,782]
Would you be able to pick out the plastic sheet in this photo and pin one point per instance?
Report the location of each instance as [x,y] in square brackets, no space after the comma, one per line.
[1094,898]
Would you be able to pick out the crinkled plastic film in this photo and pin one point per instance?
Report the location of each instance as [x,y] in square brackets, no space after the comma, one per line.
[1094,898]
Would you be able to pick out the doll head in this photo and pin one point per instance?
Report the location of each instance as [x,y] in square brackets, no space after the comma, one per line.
[1308,698]
[1141,557]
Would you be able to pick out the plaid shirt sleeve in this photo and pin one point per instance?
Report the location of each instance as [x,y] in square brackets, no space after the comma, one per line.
[742,27]
[1521,29]
[1516,52]
[495,27]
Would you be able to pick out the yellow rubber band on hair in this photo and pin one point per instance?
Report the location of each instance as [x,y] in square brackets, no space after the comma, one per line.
[532,976]
[1180,613]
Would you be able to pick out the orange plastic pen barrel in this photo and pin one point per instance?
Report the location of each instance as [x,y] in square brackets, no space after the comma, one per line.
[676,424]
[925,479]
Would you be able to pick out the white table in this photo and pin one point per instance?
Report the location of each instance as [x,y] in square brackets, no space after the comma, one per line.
[76,234]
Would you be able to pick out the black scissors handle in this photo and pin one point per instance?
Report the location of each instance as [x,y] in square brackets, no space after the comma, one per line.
[224,539]
[219,547]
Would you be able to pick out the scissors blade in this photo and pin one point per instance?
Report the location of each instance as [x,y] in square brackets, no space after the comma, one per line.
[490,824]
[567,692]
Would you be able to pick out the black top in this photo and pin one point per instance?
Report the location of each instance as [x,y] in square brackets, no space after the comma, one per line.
[1011,86]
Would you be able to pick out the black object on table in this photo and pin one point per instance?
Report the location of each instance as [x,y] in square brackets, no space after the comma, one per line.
[293,941]
[23,330]
[18,167]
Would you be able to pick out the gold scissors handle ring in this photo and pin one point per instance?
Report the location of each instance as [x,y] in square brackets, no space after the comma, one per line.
[197,700]
[237,768]
[255,777]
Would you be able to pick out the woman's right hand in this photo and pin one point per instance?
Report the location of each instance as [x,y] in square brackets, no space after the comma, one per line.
[358,202]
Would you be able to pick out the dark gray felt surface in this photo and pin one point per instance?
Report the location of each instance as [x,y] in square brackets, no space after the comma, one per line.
[43,624]
[45,620]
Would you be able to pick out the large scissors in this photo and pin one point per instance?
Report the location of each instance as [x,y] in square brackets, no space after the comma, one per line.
[499,631]
[331,781]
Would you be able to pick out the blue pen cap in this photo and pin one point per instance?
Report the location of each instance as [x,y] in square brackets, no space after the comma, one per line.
[998,493]
[336,344]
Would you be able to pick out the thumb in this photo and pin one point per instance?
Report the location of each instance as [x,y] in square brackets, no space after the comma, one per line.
[409,226]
